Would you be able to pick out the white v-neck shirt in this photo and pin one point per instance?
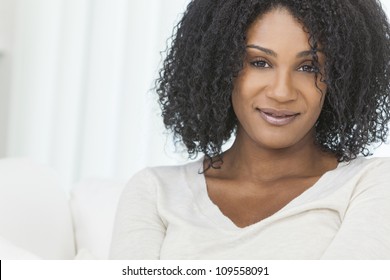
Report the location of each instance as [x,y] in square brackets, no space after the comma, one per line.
[166,213]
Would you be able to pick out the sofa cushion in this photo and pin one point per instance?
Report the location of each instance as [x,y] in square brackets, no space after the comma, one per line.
[34,210]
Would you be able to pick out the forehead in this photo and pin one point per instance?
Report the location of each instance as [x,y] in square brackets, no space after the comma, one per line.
[277,29]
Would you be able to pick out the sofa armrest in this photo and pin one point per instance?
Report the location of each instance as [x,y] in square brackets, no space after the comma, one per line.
[93,204]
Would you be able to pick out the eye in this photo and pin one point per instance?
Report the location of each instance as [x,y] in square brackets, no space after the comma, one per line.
[310,68]
[260,63]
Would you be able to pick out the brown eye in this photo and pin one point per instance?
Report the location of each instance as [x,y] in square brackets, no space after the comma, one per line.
[308,68]
[260,64]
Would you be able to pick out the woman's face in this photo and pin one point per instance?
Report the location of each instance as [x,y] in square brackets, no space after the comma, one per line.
[275,96]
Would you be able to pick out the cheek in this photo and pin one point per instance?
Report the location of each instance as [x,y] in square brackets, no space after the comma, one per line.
[238,93]
[312,93]
[321,94]
[321,86]
[236,101]
[241,103]
[246,86]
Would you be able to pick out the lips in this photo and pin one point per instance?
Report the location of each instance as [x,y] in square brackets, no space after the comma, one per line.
[277,117]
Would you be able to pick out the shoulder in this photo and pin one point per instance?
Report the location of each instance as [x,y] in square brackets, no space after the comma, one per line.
[370,166]
[151,177]
[370,175]
[361,176]
[170,171]
[379,168]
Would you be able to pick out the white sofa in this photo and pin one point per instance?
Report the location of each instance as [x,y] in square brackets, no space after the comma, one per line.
[40,220]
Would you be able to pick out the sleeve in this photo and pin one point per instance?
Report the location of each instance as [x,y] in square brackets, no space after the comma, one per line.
[365,230]
[138,229]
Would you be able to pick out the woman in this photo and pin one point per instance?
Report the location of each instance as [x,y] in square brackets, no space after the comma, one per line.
[304,88]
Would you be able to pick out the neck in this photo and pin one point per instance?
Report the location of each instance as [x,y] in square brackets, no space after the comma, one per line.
[251,162]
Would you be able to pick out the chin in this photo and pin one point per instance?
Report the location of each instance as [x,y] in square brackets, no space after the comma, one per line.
[274,145]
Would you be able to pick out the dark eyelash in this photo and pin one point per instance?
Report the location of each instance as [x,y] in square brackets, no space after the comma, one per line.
[313,69]
[256,62]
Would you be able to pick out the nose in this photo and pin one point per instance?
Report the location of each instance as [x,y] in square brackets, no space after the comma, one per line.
[281,87]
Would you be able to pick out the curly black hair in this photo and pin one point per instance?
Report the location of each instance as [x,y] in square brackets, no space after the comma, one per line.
[208,46]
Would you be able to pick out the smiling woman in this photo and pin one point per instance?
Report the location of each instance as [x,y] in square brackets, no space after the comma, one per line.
[278,83]
[304,88]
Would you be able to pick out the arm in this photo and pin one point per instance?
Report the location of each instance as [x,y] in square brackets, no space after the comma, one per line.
[365,230]
[138,229]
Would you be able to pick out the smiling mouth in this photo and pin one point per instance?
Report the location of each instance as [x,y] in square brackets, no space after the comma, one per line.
[277,117]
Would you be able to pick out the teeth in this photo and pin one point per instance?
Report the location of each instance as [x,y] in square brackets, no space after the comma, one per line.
[277,116]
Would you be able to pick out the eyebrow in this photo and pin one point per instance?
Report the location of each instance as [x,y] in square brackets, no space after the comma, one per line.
[274,54]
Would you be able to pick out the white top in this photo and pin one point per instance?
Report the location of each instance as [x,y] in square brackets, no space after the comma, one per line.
[166,213]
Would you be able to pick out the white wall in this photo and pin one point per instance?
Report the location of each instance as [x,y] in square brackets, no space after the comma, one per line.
[77,77]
